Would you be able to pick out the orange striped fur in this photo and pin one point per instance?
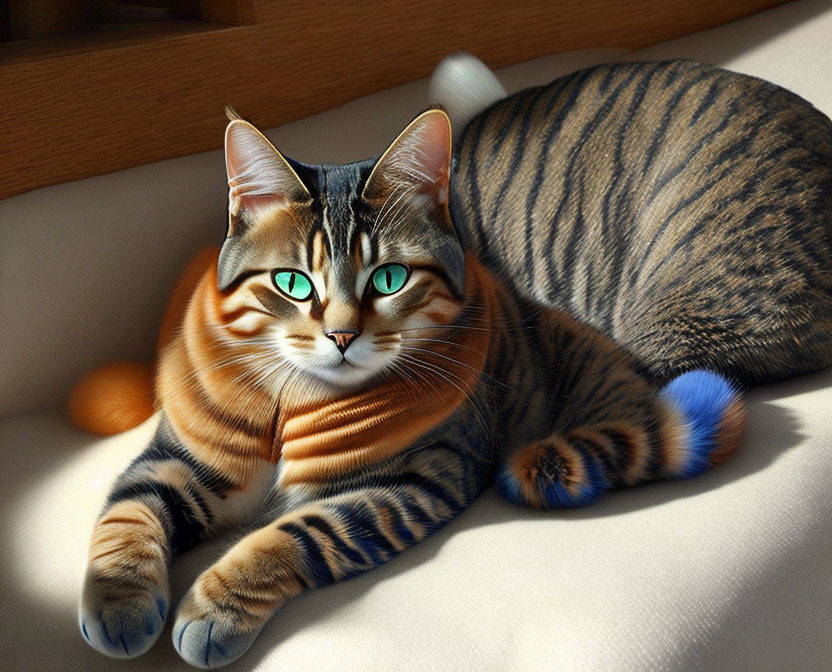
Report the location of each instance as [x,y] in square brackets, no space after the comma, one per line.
[208,395]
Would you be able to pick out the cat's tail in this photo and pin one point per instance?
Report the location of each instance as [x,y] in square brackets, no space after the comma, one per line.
[112,398]
[710,419]
[464,86]
[119,396]
[700,421]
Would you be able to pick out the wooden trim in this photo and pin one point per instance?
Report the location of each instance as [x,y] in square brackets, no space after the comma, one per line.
[15,18]
[75,107]
[5,21]
[234,12]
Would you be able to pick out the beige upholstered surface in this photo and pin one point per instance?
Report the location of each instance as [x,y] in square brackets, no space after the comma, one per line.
[731,571]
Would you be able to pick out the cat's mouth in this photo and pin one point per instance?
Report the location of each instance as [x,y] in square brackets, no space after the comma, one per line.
[342,371]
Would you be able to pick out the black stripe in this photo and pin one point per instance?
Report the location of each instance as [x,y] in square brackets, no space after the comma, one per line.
[574,235]
[319,570]
[574,153]
[707,101]
[502,134]
[598,451]
[534,191]
[431,487]
[685,203]
[162,447]
[612,240]
[310,244]
[343,548]
[187,530]
[367,533]
[521,143]
[703,142]
[474,217]
[674,72]
[670,110]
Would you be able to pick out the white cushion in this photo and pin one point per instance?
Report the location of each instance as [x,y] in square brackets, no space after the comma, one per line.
[730,571]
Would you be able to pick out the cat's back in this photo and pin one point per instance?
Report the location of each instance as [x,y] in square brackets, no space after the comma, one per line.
[628,188]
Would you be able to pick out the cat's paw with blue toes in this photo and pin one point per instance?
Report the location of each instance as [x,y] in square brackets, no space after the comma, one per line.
[208,643]
[122,626]
[206,636]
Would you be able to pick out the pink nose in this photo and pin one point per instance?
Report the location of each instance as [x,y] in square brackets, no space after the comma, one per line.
[342,339]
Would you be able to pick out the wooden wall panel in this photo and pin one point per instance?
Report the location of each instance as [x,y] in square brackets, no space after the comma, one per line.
[47,17]
[75,108]
[14,16]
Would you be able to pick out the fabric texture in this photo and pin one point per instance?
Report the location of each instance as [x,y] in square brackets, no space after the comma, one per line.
[728,571]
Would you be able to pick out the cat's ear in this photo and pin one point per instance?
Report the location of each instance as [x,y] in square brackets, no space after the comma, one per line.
[258,175]
[259,178]
[419,160]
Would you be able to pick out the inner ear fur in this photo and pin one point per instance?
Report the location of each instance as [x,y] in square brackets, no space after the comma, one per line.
[258,175]
[418,160]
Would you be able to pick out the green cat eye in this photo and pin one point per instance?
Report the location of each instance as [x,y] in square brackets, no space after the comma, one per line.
[390,278]
[293,284]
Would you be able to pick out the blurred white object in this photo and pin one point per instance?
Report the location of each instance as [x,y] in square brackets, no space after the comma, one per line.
[464,86]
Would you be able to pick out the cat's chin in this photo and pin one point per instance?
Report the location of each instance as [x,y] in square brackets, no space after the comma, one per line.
[343,377]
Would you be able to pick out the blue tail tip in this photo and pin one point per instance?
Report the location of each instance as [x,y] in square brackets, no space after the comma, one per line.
[698,390]
[703,397]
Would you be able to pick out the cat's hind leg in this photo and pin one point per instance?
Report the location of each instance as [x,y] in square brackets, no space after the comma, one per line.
[612,428]
[698,422]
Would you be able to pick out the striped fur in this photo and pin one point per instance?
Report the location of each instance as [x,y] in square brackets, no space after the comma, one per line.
[550,334]
[682,209]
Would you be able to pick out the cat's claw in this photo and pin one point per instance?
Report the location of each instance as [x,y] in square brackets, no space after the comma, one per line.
[210,641]
[121,627]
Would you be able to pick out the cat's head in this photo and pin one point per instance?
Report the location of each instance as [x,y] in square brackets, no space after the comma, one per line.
[341,271]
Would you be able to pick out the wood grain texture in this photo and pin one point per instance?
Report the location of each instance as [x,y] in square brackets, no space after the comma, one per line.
[70,111]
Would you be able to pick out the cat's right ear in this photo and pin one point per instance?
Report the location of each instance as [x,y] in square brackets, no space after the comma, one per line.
[259,180]
[418,160]
[258,175]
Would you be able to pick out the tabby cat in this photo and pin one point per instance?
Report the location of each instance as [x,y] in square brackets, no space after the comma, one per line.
[558,309]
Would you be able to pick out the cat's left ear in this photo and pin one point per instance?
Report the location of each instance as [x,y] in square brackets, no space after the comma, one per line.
[419,160]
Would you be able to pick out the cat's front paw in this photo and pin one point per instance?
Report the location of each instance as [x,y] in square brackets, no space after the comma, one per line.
[209,634]
[121,619]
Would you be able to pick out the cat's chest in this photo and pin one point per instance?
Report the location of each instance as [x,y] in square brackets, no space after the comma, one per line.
[320,444]
[242,506]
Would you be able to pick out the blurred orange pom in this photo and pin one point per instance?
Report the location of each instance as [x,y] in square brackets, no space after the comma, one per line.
[113,398]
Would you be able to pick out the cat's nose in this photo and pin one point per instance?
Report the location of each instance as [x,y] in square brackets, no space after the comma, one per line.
[342,339]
